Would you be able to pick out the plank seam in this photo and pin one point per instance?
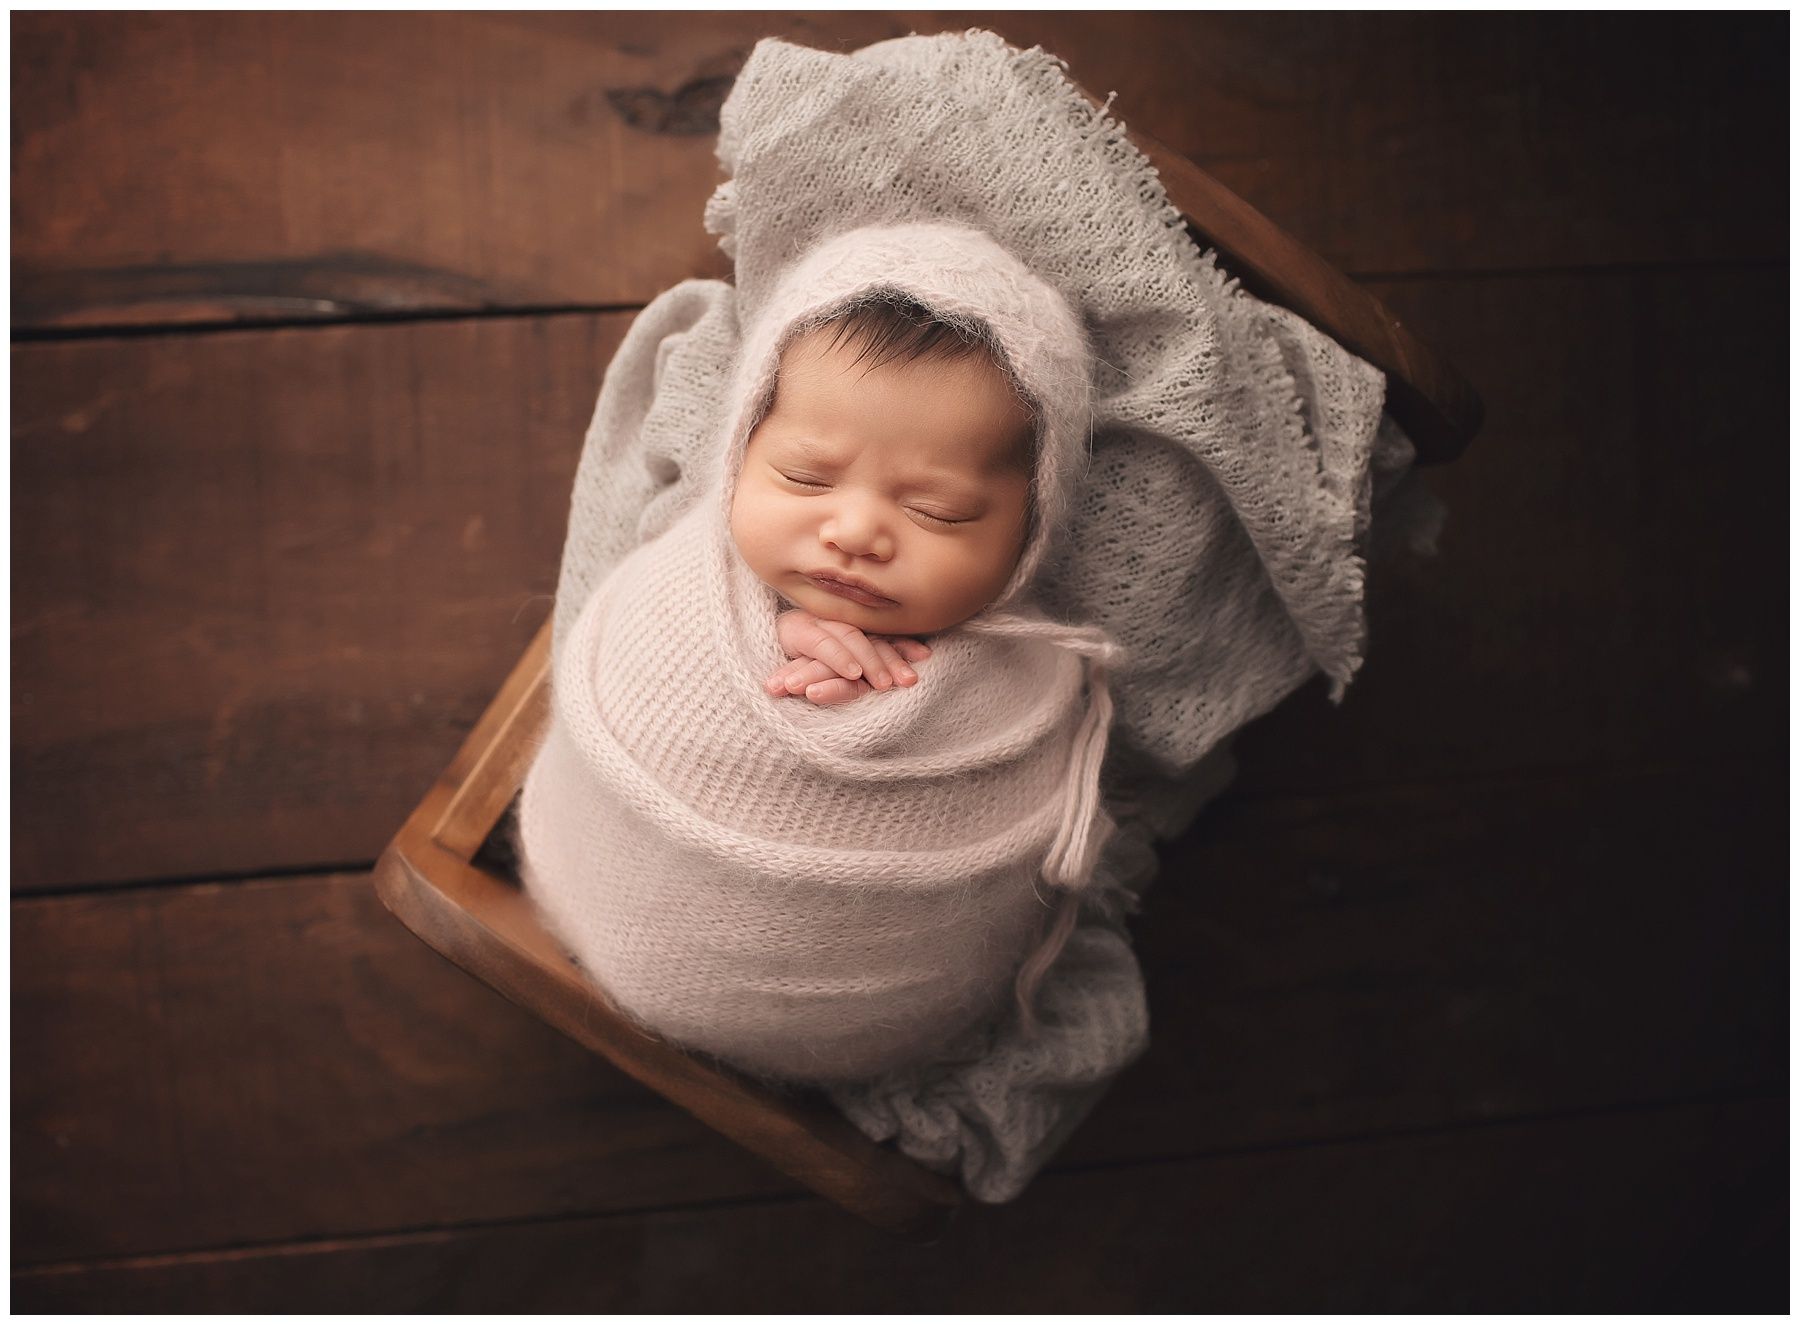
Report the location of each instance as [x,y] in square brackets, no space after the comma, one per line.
[204,327]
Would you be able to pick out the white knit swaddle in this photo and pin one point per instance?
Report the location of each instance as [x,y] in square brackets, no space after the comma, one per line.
[811,894]
[826,894]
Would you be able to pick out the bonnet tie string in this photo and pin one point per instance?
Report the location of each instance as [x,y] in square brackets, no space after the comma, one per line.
[1075,851]
[1085,823]
[1084,826]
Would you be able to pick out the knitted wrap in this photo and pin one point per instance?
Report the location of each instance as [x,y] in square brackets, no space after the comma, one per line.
[824,894]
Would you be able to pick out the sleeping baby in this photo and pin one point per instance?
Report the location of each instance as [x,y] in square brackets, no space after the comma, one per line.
[885,504]
[820,789]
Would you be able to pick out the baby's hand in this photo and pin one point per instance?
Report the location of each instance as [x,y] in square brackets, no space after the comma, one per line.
[834,663]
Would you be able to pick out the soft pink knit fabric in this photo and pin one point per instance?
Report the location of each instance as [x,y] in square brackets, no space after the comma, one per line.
[824,894]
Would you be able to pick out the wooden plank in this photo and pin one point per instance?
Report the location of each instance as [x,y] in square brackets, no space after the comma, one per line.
[226,1064]
[1429,956]
[1682,1209]
[1600,591]
[205,166]
[210,1065]
[266,581]
[1443,142]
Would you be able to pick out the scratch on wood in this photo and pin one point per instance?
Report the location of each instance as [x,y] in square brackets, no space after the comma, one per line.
[323,285]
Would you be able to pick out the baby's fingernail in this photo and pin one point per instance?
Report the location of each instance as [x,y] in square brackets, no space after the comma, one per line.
[908,676]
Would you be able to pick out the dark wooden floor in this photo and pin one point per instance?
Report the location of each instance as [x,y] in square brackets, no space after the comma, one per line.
[1472,994]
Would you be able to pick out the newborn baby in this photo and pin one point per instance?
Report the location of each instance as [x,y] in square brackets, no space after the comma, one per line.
[886,494]
[845,846]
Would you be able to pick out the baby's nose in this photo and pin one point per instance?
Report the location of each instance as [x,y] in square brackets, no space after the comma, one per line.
[856,533]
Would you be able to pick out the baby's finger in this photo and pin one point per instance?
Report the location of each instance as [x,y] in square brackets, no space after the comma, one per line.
[805,672]
[863,648]
[890,659]
[796,631]
[912,650]
[781,682]
[837,690]
[836,654]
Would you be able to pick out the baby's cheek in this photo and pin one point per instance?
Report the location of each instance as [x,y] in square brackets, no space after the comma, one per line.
[746,532]
[998,560]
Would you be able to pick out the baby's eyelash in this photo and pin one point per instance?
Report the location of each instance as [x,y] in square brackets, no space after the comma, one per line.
[807,481]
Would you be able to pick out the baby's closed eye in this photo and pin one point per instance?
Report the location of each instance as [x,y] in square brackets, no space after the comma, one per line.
[940,517]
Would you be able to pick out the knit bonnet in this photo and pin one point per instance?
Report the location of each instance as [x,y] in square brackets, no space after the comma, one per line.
[966,278]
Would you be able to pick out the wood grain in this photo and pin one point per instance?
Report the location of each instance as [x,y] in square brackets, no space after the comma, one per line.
[227,1065]
[1599,590]
[1525,890]
[217,1065]
[265,581]
[1675,1209]
[207,166]
[269,579]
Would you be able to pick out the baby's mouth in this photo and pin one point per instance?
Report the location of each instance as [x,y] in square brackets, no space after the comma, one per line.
[855,590]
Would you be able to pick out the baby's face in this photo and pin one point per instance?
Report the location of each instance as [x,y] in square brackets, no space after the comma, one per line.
[893,499]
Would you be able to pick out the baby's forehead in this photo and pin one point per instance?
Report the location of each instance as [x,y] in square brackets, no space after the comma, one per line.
[973,448]
[822,362]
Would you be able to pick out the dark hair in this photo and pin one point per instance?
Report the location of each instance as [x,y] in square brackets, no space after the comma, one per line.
[888,326]
[891,327]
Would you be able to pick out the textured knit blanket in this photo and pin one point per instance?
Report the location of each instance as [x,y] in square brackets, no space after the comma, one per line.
[827,894]
[1219,533]
[807,894]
